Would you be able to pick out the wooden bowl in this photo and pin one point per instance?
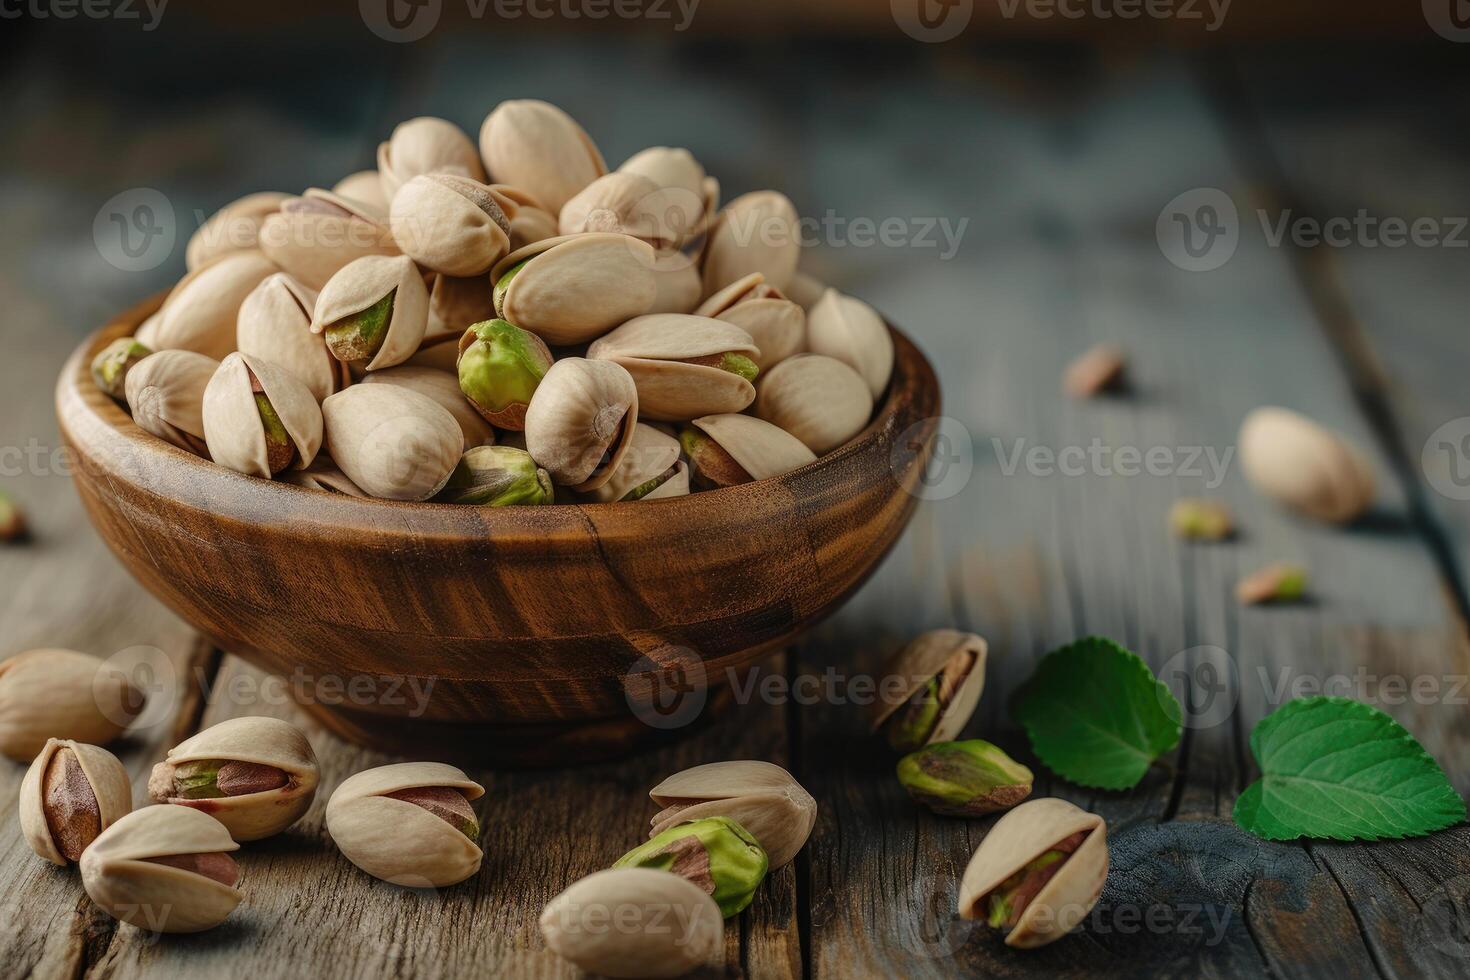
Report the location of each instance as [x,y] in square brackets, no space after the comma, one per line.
[540,634]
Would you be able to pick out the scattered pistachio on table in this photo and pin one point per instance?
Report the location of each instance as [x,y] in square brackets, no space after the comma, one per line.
[1277,582]
[942,674]
[46,694]
[964,779]
[761,797]
[12,520]
[1101,369]
[71,793]
[1200,519]
[1298,463]
[715,853]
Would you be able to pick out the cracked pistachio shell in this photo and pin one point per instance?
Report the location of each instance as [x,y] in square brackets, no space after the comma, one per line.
[236,430]
[451,224]
[366,283]
[120,877]
[1018,838]
[111,365]
[455,303]
[394,443]
[651,456]
[233,228]
[399,841]
[761,450]
[634,205]
[275,324]
[852,332]
[581,420]
[201,313]
[818,399]
[1296,462]
[756,232]
[657,350]
[365,186]
[323,475]
[265,742]
[941,675]
[760,796]
[776,324]
[964,779]
[316,234]
[165,393]
[634,922]
[62,694]
[715,853]
[575,288]
[442,387]
[426,145]
[107,780]
[537,147]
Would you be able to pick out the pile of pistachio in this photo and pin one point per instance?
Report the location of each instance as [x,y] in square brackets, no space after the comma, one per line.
[507,324]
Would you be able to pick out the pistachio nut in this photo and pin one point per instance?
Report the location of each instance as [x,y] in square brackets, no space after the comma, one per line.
[275,324]
[451,224]
[165,392]
[677,286]
[410,823]
[575,288]
[1101,369]
[365,186]
[394,443]
[111,365]
[1277,582]
[633,205]
[727,450]
[530,222]
[163,869]
[776,324]
[71,793]
[760,796]
[537,147]
[651,469]
[257,776]
[964,779]
[147,332]
[444,390]
[818,399]
[12,520]
[581,421]
[634,923]
[426,145]
[1201,520]
[1037,873]
[62,694]
[233,228]
[499,367]
[439,353]
[715,853]
[684,366]
[756,232]
[942,673]
[200,313]
[259,419]
[323,475]
[675,170]
[805,290]
[851,331]
[375,311]
[316,234]
[498,476]
[455,303]
[1297,462]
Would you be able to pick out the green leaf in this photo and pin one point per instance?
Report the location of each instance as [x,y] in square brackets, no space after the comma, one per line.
[1341,770]
[1096,714]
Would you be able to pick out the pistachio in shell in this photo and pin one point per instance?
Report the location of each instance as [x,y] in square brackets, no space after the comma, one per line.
[574,288]
[71,793]
[259,419]
[1304,466]
[677,286]
[317,234]
[964,779]
[818,399]
[393,443]
[498,476]
[530,222]
[728,450]
[776,325]
[365,186]
[692,196]
[275,324]
[111,365]
[200,313]
[805,290]
[62,694]
[454,304]
[941,675]
[441,387]
[165,393]
[499,368]
[756,232]
[761,797]
[581,421]
[233,228]
[374,311]
[684,366]
[715,853]
[450,224]
[651,469]
[537,147]
[634,205]
[425,145]
[849,330]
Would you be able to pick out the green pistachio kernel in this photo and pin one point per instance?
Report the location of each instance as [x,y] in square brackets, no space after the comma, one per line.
[360,336]
[964,779]
[715,853]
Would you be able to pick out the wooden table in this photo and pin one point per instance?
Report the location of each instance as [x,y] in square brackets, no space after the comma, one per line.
[1061,164]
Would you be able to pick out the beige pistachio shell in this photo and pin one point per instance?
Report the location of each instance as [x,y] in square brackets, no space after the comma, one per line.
[316,234]
[763,450]
[363,283]
[165,392]
[201,312]
[394,443]
[633,205]
[650,454]
[322,475]
[444,389]
[275,324]
[439,353]
[233,428]
[583,410]
[924,658]
[818,399]
[52,693]
[426,145]
[233,228]
[760,796]
[105,775]
[756,232]
[537,147]
[119,877]
[655,349]
[677,285]
[776,324]
[635,923]
[1021,836]
[530,221]
[691,198]
[455,303]
[398,841]
[805,290]
[576,288]
[365,186]
[851,331]
[147,332]
[450,224]
[1297,462]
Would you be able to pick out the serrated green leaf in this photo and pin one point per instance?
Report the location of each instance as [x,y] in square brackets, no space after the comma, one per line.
[1338,769]
[1096,714]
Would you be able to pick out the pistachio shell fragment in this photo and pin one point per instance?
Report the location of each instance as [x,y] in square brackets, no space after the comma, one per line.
[581,421]
[760,796]
[498,476]
[315,235]
[259,418]
[393,443]
[573,289]
[200,313]
[275,324]
[775,324]
[851,331]
[71,793]
[818,399]
[451,224]
[165,393]
[499,367]
[726,450]
[942,674]
[375,310]
[111,365]
[537,147]
[649,470]
[62,694]
[441,387]
[684,366]
[1297,462]
[233,228]
[425,145]
[964,779]
[715,853]
[756,232]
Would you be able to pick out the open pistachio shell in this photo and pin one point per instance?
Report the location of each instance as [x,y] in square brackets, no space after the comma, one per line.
[775,323]
[633,205]
[942,674]
[62,694]
[760,796]
[121,873]
[443,388]
[575,288]
[275,324]
[106,783]
[394,443]
[450,224]
[581,421]
[498,476]
[254,436]
[387,296]
[537,147]
[365,186]
[201,313]
[426,145]
[1310,469]
[756,232]
[760,449]
[233,228]
[455,303]
[684,366]
[323,475]
[1023,835]
[397,840]
[647,470]
[111,365]
[852,332]
[818,399]
[165,393]
[316,234]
